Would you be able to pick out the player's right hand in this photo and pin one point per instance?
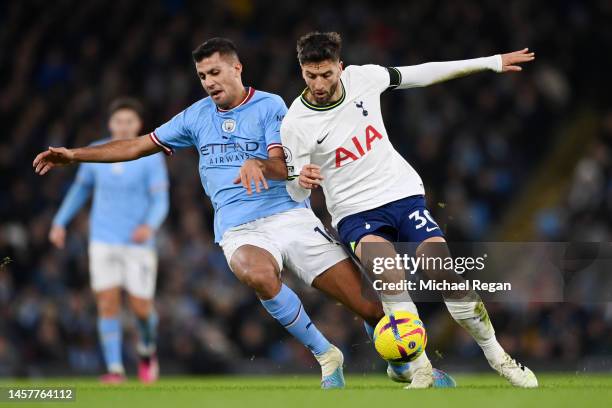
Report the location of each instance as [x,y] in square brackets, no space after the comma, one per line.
[310,176]
[55,156]
[57,236]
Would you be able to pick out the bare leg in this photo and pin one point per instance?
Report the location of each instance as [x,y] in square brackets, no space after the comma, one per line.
[343,283]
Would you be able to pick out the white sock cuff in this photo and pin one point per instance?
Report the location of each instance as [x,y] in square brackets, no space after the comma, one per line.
[462,309]
[398,302]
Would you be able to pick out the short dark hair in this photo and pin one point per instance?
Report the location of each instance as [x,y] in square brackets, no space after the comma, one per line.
[224,46]
[126,102]
[317,47]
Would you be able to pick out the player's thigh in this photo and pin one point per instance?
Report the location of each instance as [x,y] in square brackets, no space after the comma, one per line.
[308,249]
[370,250]
[344,282]
[248,246]
[106,266]
[254,258]
[374,245]
[140,272]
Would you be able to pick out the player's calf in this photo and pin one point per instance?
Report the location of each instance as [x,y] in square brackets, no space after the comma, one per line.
[343,282]
[110,333]
[146,319]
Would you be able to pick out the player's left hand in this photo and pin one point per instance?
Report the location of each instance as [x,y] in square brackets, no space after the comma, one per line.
[511,59]
[251,172]
[310,176]
[142,234]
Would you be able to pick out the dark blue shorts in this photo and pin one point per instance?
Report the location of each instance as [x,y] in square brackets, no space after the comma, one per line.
[405,220]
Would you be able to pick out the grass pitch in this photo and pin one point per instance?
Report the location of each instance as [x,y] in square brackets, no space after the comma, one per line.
[556,390]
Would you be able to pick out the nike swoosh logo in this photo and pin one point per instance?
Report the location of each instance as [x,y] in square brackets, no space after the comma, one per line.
[324,137]
[431,229]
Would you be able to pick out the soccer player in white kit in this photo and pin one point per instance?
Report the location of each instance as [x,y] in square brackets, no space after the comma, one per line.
[335,138]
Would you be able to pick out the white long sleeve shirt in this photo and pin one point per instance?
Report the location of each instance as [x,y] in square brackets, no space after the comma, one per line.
[361,168]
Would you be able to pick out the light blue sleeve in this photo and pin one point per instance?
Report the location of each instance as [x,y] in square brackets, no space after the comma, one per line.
[158,188]
[78,194]
[176,133]
[272,122]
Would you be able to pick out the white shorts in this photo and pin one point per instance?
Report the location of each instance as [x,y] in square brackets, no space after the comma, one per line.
[131,267]
[296,238]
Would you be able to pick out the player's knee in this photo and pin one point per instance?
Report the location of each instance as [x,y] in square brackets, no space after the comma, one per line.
[108,306]
[436,248]
[263,279]
[140,307]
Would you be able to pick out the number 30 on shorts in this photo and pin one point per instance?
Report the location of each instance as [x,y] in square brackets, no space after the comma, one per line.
[421,220]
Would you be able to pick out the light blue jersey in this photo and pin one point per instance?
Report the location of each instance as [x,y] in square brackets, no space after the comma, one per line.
[224,140]
[125,195]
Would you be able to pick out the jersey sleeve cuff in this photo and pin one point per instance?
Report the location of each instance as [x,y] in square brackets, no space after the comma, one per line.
[395,77]
[273,145]
[167,150]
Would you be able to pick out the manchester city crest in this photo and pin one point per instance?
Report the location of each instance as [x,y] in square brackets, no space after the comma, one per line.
[228,125]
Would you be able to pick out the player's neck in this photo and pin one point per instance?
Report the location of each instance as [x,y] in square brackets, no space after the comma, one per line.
[241,96]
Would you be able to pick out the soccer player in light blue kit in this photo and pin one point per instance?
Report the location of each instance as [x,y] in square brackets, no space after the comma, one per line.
[236,131]
[130,202]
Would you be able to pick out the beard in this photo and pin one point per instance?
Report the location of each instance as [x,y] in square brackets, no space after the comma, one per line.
[325,98]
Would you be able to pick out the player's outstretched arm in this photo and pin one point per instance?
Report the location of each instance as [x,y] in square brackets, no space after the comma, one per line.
[434,72]
[115,151]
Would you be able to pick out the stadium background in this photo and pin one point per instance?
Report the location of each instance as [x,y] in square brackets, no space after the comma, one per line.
[515,157]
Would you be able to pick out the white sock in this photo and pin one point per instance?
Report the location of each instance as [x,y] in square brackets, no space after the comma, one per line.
[399,302]
[471,314]
[116,368]
[492,350]
[329,360]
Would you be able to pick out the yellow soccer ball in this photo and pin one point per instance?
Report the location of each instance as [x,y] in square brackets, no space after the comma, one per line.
[400,337]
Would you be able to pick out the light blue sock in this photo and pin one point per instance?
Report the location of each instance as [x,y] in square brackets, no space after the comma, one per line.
[287,308]
[109,330]
[369,330]
[147,334]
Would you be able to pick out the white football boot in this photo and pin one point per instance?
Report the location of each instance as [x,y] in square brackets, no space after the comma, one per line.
[516,373]
[422,377]
[331,368]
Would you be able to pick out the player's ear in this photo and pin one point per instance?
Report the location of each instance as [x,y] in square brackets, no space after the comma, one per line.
[238,68]
[341,65]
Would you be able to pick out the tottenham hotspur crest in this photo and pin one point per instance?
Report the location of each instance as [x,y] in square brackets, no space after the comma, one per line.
[359,105]
[228,125]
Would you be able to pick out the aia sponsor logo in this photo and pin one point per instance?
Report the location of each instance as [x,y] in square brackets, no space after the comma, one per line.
[359,148]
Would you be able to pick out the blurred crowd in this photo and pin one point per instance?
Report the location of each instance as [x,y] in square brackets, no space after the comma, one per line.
[475,142]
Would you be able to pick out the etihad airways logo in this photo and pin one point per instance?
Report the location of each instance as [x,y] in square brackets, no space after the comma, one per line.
[225,153]
[361,147]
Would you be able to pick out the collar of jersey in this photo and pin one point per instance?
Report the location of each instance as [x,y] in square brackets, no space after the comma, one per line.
[249,95]
[323,107]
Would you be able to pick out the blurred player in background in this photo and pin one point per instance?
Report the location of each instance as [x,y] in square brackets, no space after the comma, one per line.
[130,202]
[337,139]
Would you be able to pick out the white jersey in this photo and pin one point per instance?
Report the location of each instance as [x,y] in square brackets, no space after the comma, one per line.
[361,168]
